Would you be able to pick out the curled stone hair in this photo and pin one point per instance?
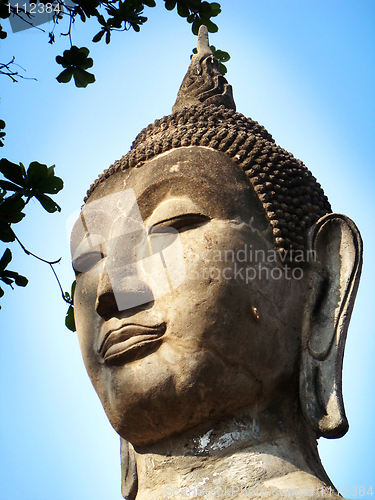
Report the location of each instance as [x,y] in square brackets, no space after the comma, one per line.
[204,115]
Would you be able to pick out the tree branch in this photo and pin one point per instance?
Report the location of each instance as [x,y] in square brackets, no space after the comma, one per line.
[5,69]
[51,263]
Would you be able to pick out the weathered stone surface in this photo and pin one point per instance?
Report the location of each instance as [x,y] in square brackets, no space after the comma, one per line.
[215,349]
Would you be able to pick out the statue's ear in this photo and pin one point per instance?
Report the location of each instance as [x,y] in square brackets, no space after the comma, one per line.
[335,247]
[129,477]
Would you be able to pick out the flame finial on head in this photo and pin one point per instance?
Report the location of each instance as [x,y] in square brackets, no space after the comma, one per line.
[203,82]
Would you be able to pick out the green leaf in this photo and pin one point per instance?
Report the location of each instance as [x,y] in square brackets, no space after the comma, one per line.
[12,171]
[9,186]
[82,78]
[5,259]
[51,170]
[75,61]
[98,36]
[69,319]
[6,233]
[215,9]
[116,23]
[12,205]
[80,13]
[223,69]
[182,10]
[10,277]
[80,54]
[65,76]
[37,169]
[150,3]
[6,280]
[67,58]
[8,274]
[39,177]
[101,20]
[170,4]
[35,173]
[51,185]
[15,218]
[88,6]
[196,24]
[220,55]
[205,9]
[4,10]
[87,63]
[21,280]
[61,60]
[47,203]
[212,27]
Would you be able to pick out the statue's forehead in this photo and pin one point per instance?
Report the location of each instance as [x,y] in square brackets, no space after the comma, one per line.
[208,177]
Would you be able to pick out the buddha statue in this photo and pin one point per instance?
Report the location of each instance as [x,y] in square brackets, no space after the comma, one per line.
[214,291]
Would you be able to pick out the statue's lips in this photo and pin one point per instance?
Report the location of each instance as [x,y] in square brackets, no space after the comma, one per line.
[130,341]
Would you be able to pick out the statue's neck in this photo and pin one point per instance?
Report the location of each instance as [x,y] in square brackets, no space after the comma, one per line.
[239,457]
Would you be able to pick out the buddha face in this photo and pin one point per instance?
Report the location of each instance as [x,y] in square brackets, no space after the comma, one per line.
[202,330]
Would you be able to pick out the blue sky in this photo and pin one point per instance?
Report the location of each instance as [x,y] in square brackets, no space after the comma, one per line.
[306,71]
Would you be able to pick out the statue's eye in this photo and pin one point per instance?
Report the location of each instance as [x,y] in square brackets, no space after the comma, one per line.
[180,222]
[87,262]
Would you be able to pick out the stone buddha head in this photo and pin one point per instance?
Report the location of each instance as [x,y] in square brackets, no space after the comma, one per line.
[213,279]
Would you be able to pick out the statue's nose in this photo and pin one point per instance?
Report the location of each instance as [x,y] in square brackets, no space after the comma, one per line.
[118,293]
[120,286]
[106,305]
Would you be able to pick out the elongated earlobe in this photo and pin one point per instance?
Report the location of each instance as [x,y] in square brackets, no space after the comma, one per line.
[129,477]
[337,247]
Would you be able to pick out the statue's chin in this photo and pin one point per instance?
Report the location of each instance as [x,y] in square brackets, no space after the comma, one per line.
[176,404]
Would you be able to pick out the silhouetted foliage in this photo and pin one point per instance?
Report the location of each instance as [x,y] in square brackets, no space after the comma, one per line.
[39,180]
